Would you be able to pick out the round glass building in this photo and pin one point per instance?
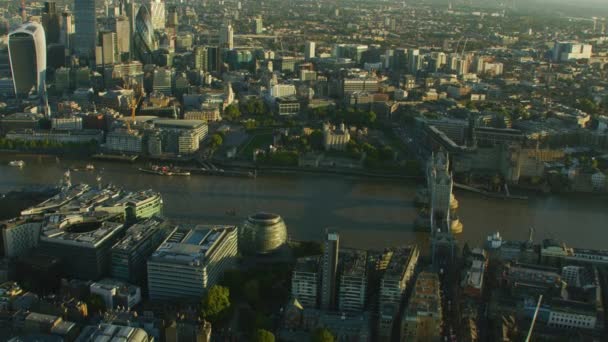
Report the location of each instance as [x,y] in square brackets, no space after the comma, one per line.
[262,233]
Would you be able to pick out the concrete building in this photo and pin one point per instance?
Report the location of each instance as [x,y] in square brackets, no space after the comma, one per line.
[130,253]
[329,268]
[288,105]
[116,293]
[335,139]
[309,50]
[305,282]
[422,319]
[19,236]
[353,282]
[226,38]
[80,136]
[110,332]
[567,51]
[82,242]
[124,141]
[157,12]
[66,123]
[27,56]
[400,266]
[191,260]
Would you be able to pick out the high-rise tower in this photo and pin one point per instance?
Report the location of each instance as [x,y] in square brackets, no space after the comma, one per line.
[27,56]
[329,268]
[86,27]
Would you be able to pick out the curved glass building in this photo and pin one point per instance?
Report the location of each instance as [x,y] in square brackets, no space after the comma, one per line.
[144,41]
[27,56]
[262,233]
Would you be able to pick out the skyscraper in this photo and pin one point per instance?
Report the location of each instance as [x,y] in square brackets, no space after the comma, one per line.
[258,25]
[157,11]
[109,48]
[329,268]
[144,41]
[309,50]
[227,37]
[27,56]
[200,58]
[50,22]
[67,29]
[86,27]
[123,34]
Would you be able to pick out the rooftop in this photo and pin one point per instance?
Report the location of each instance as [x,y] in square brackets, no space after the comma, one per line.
[354,264]
[191,245]
[184,124]
[85,230]
[399,261]
[307,264]
[139,232]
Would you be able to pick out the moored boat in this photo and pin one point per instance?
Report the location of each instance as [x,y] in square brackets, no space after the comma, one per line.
[17,163]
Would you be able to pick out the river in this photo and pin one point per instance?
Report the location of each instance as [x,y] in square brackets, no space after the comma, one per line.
[368,213]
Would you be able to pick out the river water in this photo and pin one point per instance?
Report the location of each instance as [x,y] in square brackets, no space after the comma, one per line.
[367,213]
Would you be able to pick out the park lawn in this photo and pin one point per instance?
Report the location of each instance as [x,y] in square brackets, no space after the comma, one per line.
[259,140]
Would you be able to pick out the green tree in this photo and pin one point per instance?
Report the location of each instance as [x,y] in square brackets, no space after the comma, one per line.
[322,335]
[232,112]
[215,303]
[216,141]
[262,335]
[95,304]
[587,105]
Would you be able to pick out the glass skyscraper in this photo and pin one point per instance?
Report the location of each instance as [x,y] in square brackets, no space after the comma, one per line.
[27,56]
[86,26]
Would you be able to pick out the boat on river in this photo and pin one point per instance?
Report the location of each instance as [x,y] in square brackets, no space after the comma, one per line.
[17,163]
[164,171]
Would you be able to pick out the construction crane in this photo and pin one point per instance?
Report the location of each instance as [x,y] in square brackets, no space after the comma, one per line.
[540,299]
[133,103]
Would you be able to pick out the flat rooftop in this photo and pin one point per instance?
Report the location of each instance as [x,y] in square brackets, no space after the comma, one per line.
[399,262]
[191,245]
[354,263]
[139,232]
[85,230]
[307,264]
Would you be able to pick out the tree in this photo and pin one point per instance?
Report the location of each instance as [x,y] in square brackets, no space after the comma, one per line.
[216,303]
[587,105]
[262,335]
[232,112]
[95,304]
[322,335]
[216,141]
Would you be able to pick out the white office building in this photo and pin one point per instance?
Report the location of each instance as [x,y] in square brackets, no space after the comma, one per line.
[191,260]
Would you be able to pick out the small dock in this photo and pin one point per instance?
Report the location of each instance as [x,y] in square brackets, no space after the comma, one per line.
[507,195]
[115,157]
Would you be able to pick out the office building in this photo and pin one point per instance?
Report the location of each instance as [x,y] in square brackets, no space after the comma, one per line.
[27,56]
[190,260]
[162,81]
[124,141]
[130,253]
[353,282]
[567,51]
[226,37]
[86,136]
[288,105]
[400,266]
[200,57]
[82,242]
[144,40]
[329,269]
[262,233]
[110,332]
[422,320]
[109,49]
[172,17]
[309,50]
[157,11]
[66,30]
[305,282]
[50,22]
[414,60]
[258,25]
[123,34]
[198,128]
[19,236]
[116,293]
[66,123]
[85,22]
